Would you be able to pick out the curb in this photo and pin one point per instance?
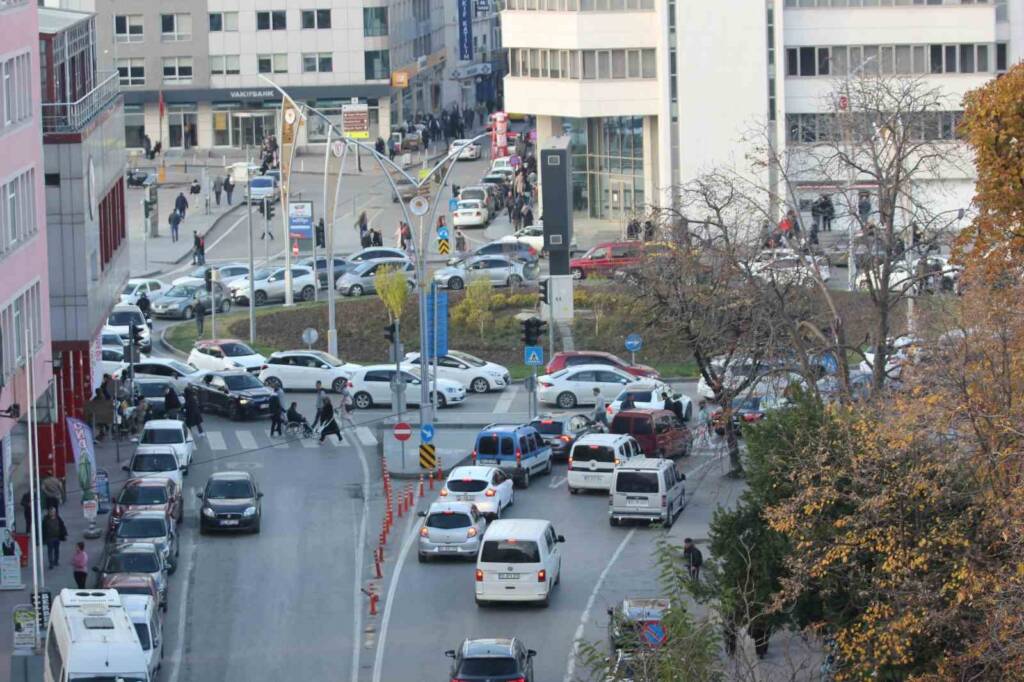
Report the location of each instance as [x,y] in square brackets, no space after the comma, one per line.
[167,346]
[209,230]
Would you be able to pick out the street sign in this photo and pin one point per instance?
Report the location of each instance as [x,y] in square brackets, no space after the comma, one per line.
[654,634]
[442,247]
[309,336]
[402,431]
[442,233]
[355,121]
[453,204]
[634,343]
[426,433]
[439,346]
[24,621]
[533,356]
[42,607]
[300,219]
[428,456]
[419,206]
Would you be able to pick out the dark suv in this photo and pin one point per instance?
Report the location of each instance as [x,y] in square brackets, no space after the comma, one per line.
[494,660]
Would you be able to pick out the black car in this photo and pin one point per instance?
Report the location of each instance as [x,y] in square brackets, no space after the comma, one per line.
[231,500]
[153,392]
[234,393]
[561,431]
[636,622]
[137,177]
[493,660]
[321,268]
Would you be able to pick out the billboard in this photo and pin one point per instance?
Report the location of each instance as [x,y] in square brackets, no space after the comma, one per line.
[300,219]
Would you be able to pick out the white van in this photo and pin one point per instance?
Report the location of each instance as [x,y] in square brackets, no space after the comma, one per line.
[594,457]
[519,560]
[142,609]
[92,637]
[647,489]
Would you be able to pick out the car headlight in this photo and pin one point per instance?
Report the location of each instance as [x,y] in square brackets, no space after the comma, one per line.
[249,511]
[208,512]
[243,401]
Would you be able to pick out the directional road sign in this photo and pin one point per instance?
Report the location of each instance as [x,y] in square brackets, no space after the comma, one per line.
[533,356]
[443,247]
[442,233]
[402,431]
[453,204]
[426,433]
[634,343]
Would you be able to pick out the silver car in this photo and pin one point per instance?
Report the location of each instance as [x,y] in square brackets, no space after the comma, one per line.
[179,301]
[148,526]
[360,279]
[498,270]
[451,529]
[270,285]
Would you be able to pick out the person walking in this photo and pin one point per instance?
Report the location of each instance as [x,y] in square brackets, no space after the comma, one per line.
[276,410]
[328,422]
[694,559]
[377,238]
[218,187]
[362,224]
[195,189]
[53,491]
[193,415]
[202,250]
[181,204]
[144,304]
[200,312]
[26,508]
[172,404]
[703,424]
[195,248]
[527,216]
[321,398]
[80,564]
[229,188]
[460,240]
[54,533]
[147,146]
[600,413]
[828,212]
[174,220]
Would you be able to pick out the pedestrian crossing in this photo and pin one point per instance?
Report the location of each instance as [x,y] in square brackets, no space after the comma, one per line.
[253,439]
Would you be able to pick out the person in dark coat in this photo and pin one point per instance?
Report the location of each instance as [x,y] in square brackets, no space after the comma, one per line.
[276,411]
[229,188]
[54,533]
[693,557]
[328,422]
[172,404]
[193,415]
[378,238]
[181,204]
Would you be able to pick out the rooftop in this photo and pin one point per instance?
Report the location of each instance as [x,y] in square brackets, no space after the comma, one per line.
[52,20]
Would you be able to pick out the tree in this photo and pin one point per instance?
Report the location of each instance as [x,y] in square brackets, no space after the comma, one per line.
[475,307]
[393,289]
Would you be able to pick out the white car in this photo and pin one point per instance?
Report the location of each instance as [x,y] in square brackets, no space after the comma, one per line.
[451,529]
[533,235]
[787,267]
[900,350]
[470,213]
[501,163]
[575,385]
[935,273]
[263,187]
[371,385]
[135,287]
[112,361]
[647,394]
[739,370]
[466,150]
[480,376]
[489,488]
[301,369]
[270,285]
[227,273]
[174,371]
[171,434]
[120,320]
[155,461]
[217,354]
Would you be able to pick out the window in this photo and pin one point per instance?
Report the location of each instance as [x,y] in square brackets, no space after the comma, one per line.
[24,309]
[223,22]
[1000,57]
[376,65]
[132,71]
[16,93]
[275,20]
[128,28]
[272,63]
[175,27]
[375,21]
[316,18]
[17,210]
[177,69]
[313,63]
[224,65]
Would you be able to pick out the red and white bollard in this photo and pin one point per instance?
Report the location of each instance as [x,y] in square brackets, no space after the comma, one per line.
[421,485]
[373,604]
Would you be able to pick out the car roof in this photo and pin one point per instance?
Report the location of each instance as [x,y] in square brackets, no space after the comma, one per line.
[472,471]
[642,412]
[205,343]
[645,385]
[233,475]
[577,353]
[645,464]
[608,439]
[487,648]
[516,528]
[134,547]
[121,307]
[226,373]
[137,604]
[162,424]
[595,366]
[129,580]
[145,514]
[503,428]
[456,507]
[137,482]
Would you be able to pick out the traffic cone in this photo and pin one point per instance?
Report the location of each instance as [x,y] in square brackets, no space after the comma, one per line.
[421,485]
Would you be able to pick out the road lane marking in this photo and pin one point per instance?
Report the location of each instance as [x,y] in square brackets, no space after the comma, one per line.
[570,668]
[219,239]
[246,440]
[378,662]
[505,402]
[215,440]
[366,435]
[557,481]
[179,644]
[358,556]
[310,442]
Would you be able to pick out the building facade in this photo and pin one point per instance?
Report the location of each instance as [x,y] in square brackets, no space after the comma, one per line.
[655,92]
[24,286]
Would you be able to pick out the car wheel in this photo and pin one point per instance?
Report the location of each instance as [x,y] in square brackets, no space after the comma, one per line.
[225,307]
[547,469]
[497,513]
[573,491]
[479,385]
[511,499]
[273,382]
[566,400]
[688,415]
[455,283]
[525,478]
[236,412]
[558,576]
[613,521]
[421,558]
[480,602]
[186,314]
[339,384]
[669,518]
[441,402]
[308,292]
[577,273]
[514,281]
[261,297]
[543,603]
[362,400]
[356,290]
[256,528]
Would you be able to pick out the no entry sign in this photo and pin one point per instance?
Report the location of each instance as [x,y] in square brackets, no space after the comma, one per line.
[402,431]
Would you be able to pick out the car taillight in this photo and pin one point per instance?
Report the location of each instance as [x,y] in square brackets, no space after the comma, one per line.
[424,532]
[479,576]
[751,417]
[444,492]
[615,461]
[472,455]
[263,366]
[519,456]
[489,493]
[608,409]
[545,384]
[471,533]
[664,500]
[565,439]
[542,576]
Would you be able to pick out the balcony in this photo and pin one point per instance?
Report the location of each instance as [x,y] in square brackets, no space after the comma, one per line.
[72,117]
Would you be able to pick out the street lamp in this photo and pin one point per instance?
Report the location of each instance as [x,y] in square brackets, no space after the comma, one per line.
[248,210]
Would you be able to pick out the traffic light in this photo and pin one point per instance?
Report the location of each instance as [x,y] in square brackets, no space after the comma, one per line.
[262,207]
[135,335]
[321,241]
[269,209]
[208,278]
[544,290]
[533,329]
[147,208]
[390,332]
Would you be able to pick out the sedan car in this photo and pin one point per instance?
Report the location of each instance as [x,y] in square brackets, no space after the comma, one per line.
[112,361]
[137,558]
[139,177]
[133,583]
[148,494]
[362,278]
[480,376]
[231,500]
[235,394]
[270,284]
[174,371]
[493,660]
[513,250]
[120,320]
[498,270]
[571,387]
[302,369]
[489,489]
[479,193]
[786,267]
[467,150]
[561,431]
[136,287]
[373,253]
[647,394]
[321,269]
[451,529]
[153,463]
[628,623]
[471,213]
[573,358]
[179,302]
[532,235]
[371,385]
[218,354]
[153,392]
[170,433]
[747,410]
[226,274]
[150,527]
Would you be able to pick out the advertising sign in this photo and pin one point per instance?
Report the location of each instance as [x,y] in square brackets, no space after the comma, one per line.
[355,121]
[465,30]
[300,219]
[81,439]
[24,617]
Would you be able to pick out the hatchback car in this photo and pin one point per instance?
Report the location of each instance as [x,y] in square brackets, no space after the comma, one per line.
[498,270]
[561,431]
[374,253]
[489,489]
[492,660]
[219,354]
[174,371]
[148,494]
[231,500]
[302,369]
[470,213]
[152,527]
[172,434]
[155,464]
[513,250]
[371,385]
[136,558]
[361,279]
[261,188]
[236,395]
[571,387]
[180,301]
[466,150]
[480,194]
[120,320]
[271,284]
[136,287]
[451,529]
[480,376]
[571,358]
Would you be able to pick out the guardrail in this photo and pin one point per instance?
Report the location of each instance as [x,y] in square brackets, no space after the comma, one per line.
[69,117]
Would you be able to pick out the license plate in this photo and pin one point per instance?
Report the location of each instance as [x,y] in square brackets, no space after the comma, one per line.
[445,549]
[229,522]
[464,498]
[635,502]
[265,406]
[591,477]
[508,576]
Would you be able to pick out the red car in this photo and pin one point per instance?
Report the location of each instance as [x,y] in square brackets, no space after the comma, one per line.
[147,494]
[571,358]
[604,259]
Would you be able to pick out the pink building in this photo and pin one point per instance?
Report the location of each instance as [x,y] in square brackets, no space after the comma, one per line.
[24,279]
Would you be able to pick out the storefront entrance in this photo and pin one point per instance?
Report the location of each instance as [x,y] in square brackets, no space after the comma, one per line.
[248,128]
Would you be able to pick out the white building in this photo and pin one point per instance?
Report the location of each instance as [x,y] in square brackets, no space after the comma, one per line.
[656,92]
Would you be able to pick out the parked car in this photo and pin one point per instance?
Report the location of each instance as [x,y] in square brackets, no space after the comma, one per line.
[262,188]
[120,320]
[516,449]
[561,431]
[235,394]
[512,250]
[226,274]
[112,361]
[471,213]
[136,287]
[302,369]
[231,500]
[492,659]
[152,527]
[659,432]
[573,358]
[487,488]
[155,463]
[733,372]
[498,270]
[147,494]
[136,558]
[362,278]
[139,177]
[571,387]
[786,267]
[466,150]
[605,258]
[450,529]
[270,284]
[746,410]
[479,376]
[497,178]
[373,253]
[177,373]
[218,354]
[480,194]
[169,433]
[371,385]
[179,302]
[322,276]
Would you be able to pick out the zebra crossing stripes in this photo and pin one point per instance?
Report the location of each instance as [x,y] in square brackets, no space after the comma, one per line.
[215,440]
[246,440]
[254,439]
[365,435]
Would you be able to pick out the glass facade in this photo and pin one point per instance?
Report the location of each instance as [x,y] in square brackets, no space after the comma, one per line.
[134,125]
[608,166]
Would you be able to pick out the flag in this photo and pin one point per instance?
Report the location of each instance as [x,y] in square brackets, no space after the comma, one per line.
[85,456]
[160,104]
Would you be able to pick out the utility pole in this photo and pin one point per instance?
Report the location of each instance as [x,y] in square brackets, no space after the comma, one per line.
[252,262]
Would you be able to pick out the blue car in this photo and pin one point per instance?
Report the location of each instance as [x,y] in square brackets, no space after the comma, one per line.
[518,450]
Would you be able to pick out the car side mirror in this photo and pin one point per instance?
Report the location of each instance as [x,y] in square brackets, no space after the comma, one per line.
[531,653]
[325,366]
[199,494]
[561,538]
[259,495]
[450,653]
[125,467]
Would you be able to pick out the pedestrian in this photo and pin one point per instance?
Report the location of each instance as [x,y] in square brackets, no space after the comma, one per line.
[321,398]
[276,410]
[362,224]
[674,404]
[181,204]
[147,146]
[600,414]
[828,212]
[202,250]
[172,404]
[144,304]
[26,508]
[200,312]
[193,415]
[460,240]
[174,220]
[195,248]
[195,188]
[218,187]
[627,403]
[864,207]
[366,239]
[329,425]
[527,216]
[53,491]
[378,238]
[703,424]
[80,564]
[229,188]
[694,559]
[54,533]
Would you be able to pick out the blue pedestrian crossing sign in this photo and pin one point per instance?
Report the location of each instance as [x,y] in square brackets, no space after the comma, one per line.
[533,356]
[453,204]
[442,233]
[426,433]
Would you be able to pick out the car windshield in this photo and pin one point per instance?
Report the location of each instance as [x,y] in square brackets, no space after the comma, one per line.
[487,666]
[262,182]
[467,358]
[263,273]
[636,482]
[469,205]
[548,427]
[162,436]
[152,389]
[242,382]
[234,349]
[510,552]
[161,462]
[142,630]
[123,318]
[228,490]
[467,485]
[181,291]
[637,396]
[327,358]
[141,528]
[143,494]
[132,562]
[129,289]
[135,590]
[593,453]
[364,266]
[448,521]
